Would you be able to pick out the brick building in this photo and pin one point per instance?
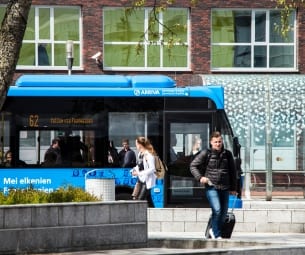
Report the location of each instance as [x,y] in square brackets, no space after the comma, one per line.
[233,43]
[93,29]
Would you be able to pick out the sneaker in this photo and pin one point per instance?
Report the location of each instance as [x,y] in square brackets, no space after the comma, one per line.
[211,233]
[219,238]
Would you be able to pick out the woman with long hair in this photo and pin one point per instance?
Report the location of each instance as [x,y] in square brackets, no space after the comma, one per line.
[146,176]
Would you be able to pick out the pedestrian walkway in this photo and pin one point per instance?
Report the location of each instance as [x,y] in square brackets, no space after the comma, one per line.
[163,243]
[241,243]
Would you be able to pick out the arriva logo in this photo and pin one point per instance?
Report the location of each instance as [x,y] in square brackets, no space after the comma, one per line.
[146,92]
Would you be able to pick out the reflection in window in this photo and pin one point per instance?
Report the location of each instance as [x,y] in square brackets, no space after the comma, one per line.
[260,26]
[48,29]
[131,125]
[188,136]
[123,31]
[76,146]
[43,58]
[234,47]
[27,139]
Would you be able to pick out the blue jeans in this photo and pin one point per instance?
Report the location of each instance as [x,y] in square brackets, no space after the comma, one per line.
[218,200]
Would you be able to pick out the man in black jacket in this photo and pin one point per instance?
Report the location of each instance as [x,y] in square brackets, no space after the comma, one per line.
[127,156]
[215,169]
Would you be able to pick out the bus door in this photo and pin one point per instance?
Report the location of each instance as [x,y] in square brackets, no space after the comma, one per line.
[186,135]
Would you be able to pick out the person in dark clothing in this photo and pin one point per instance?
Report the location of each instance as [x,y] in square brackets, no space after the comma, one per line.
[112,155]
[140,165]
[52,156]
[78,150]
[8,159]
[173,157]
[9,162]
[127,156]
[215,169]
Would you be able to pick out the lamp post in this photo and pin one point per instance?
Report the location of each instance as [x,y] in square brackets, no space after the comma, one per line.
[69,55]
[268,152]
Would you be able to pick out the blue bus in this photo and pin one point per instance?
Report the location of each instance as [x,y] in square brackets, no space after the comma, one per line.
[89,112]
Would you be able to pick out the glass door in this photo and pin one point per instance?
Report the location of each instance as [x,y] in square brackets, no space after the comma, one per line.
[187,134]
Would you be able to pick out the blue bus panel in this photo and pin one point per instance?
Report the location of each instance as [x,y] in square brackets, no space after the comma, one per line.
[50,179]
[110,86]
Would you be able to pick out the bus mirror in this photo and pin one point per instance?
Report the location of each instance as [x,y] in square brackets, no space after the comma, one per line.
[236,147]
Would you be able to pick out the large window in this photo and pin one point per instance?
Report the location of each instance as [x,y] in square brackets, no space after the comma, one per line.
[248,40]
[135,41]
[44,42]
[130,125]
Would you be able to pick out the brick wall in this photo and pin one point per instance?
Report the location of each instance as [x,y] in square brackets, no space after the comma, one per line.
[200,32]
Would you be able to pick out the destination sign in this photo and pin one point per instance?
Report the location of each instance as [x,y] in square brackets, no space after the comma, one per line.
[36,120]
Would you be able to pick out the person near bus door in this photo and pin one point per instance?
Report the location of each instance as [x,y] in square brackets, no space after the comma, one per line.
[140,167]
[215,169]
[112,155]
[127,156]
[146,177]
[52,156]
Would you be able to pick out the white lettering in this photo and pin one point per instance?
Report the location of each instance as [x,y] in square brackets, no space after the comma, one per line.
[27,180]
[47,190]
[150,92]
[146,92]
[10,180]
[7,189]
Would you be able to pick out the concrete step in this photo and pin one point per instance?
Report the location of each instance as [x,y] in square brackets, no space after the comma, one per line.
[288,203]
[256,216]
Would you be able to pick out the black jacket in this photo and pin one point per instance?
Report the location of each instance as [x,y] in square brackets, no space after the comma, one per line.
[218,166]
[52,157]
[127,158]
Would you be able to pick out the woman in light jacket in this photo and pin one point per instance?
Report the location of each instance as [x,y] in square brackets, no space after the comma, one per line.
[147,177]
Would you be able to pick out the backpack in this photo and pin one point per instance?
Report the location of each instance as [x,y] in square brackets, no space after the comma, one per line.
[207,156]
[161,168]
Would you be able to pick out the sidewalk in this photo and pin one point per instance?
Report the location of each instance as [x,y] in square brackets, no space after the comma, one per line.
[241,243]
[163,243]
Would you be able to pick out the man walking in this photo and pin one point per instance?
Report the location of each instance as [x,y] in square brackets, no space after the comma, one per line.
[215,169]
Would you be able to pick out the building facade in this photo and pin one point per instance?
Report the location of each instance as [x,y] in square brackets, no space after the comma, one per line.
[232,43]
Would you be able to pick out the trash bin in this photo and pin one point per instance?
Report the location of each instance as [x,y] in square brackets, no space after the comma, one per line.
[101,187]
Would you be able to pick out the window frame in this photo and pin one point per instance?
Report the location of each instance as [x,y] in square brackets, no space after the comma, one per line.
[145,45]
[253,43]
[52,41]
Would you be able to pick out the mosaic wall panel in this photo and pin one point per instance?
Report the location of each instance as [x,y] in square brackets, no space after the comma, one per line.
[276,103]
